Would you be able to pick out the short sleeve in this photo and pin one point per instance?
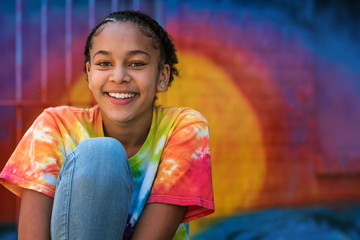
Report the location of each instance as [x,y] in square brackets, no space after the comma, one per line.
[184,174]
[36,161]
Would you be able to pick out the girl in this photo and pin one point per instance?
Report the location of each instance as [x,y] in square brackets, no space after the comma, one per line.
[124,168]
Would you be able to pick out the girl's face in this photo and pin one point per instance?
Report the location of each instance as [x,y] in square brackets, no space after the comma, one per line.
[123,72]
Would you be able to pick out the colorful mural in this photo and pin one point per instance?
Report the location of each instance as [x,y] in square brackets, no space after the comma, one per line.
[278,82]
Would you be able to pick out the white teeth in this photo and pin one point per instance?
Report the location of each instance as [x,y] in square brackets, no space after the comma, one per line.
[121,95]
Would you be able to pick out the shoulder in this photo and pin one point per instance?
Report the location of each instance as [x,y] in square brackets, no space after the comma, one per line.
[72,115]
[184,124]
[189,115]
[182,115]
[65,117]
[65,111]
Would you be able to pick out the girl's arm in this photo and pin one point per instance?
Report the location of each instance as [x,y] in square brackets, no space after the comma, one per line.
[35,215]
[158,221]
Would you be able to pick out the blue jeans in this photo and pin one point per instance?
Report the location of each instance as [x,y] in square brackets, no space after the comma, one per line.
[93,192]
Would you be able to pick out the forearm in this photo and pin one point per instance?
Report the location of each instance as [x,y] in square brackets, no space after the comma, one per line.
[35,215]
[159,221]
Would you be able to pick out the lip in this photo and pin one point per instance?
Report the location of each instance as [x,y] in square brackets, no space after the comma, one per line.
[121,101]
[119,91]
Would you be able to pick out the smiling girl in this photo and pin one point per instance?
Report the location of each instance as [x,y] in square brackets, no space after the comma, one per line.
[125,168]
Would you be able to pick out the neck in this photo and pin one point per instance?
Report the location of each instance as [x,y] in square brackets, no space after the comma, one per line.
[132,134]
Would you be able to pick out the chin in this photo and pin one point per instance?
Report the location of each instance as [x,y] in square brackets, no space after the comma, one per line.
[122,118]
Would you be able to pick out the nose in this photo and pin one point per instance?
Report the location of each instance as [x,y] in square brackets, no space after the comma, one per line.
[119,75]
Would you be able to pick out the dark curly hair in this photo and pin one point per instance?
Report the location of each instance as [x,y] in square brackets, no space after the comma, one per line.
[150,28]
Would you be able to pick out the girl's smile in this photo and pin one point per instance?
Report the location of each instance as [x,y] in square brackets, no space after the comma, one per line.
[121,98]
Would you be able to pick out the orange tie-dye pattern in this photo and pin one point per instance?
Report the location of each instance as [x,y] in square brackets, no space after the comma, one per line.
[175,155]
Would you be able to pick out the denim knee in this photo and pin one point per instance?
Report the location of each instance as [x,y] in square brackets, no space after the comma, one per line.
[101,145]
[102,161]
[93,194]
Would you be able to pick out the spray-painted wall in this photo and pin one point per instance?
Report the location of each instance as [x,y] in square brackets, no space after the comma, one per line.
[278,81]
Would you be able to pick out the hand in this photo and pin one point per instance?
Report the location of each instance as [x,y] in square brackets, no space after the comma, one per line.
[158,221]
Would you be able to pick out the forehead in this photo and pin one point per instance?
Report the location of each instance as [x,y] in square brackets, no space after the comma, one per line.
[122,36]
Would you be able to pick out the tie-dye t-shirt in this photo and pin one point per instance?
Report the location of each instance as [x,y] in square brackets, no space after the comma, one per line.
[172,166]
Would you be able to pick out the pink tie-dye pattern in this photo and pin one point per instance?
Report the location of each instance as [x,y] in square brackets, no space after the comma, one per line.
[184,172]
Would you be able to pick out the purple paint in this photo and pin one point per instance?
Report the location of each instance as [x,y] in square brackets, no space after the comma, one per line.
[44,51]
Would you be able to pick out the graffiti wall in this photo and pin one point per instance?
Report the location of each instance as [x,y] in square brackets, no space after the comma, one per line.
[278,81]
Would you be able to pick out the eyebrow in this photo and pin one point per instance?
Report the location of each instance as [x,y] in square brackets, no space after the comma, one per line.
[101,52]
[135,52]
[130,53]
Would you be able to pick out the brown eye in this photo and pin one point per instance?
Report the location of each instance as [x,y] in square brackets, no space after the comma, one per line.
[104,64]
[136,64]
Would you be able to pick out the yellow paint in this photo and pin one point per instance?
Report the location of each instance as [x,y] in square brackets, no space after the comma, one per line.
[238,158]
[80,94]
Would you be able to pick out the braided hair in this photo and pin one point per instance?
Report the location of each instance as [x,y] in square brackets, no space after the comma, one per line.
[149,27]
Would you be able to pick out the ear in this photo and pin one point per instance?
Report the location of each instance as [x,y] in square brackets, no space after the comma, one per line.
[88,74]
[164,76]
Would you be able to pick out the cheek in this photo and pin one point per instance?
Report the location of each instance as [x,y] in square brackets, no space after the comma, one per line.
[95,79]
[147,80]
